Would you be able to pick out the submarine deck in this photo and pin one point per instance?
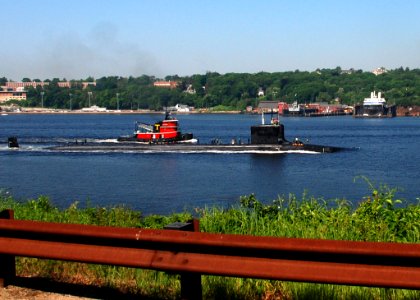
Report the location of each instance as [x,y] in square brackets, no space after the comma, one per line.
[188,148]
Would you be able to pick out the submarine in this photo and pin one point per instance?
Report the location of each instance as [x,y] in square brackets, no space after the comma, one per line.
[157,138]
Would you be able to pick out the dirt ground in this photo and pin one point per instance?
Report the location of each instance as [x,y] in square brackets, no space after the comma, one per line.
[37,288]
[21,293]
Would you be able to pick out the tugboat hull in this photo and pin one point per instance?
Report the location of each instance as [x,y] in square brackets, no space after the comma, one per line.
[181,138]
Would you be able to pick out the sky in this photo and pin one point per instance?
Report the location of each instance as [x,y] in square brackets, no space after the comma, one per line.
[76,39]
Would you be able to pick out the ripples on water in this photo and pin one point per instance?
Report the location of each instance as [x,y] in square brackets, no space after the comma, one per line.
[163,183]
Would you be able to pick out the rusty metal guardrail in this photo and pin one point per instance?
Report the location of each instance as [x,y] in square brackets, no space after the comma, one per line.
[193,254]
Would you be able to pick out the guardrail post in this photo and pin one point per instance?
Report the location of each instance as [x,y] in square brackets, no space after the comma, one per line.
[7,262]
[190,282]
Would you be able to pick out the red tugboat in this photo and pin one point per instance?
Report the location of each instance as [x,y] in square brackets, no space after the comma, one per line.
[163,132]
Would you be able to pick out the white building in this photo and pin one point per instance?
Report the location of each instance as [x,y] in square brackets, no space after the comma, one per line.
[94,108]
[190,89]
[379,71]
[182,108]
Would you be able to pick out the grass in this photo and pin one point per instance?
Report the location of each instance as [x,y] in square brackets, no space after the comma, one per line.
[377,217]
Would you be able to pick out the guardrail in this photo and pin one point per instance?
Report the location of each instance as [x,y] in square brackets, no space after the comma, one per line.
[193,254]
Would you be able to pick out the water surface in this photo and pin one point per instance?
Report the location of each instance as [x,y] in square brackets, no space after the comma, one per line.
[387,153]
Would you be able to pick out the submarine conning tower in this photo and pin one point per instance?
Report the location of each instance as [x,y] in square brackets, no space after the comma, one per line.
[267,134]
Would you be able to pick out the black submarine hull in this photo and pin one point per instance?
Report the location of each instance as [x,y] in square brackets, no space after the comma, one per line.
[264,139]
[194,148]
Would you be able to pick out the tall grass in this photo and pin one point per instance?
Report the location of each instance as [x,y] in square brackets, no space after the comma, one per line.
[377,217]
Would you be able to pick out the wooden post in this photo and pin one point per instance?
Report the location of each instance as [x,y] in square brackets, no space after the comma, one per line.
[190,282]
[7,262]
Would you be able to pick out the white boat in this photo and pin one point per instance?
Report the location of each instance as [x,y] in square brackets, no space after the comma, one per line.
[94,108]
[295,109]
[375,107]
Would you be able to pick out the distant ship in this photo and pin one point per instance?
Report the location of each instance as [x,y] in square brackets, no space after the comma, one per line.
[375,107]
[295,109]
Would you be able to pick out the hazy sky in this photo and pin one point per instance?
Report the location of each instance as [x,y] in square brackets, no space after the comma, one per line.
[74,39]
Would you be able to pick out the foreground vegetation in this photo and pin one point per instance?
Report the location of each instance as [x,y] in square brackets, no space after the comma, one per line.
[378,217]
[232,91]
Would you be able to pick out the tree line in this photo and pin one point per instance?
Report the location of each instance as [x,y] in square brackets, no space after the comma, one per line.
[233,91]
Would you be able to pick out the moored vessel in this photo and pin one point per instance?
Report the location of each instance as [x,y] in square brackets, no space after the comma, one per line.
[375,107]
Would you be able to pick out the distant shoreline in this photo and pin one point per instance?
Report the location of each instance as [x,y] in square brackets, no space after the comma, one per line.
[108,112]
[413,111]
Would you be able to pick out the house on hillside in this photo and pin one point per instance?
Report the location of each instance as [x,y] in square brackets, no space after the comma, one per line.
[165,84]
[379,71]
[12,95]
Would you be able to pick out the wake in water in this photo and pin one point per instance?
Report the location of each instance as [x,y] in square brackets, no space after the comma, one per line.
[43,144]
[70,145]
[190,152]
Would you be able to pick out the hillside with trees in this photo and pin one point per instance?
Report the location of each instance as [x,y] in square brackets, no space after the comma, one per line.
[233,91]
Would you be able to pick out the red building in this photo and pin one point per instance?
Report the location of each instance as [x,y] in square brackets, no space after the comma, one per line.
[166,84]
[15,85]
[12,95]
[283,106]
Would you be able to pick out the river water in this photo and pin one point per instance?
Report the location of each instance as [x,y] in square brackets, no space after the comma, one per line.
[386,151]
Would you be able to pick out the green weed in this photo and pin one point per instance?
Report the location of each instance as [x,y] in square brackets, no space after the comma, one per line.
[379,216]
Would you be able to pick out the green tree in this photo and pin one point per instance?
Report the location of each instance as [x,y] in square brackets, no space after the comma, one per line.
[237,90]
